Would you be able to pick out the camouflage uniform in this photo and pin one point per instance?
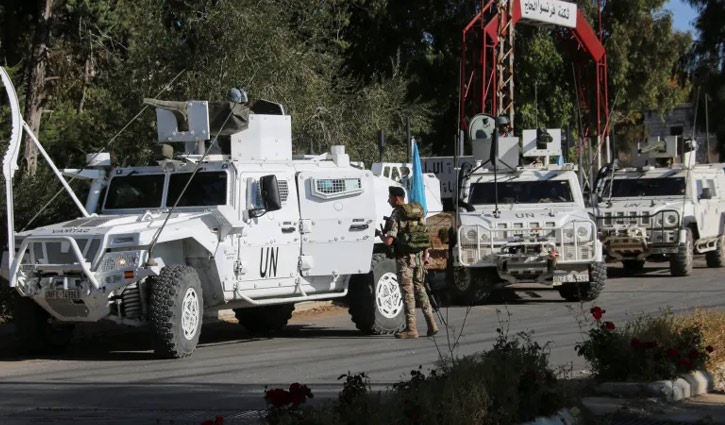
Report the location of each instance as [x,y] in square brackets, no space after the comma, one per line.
[411,276]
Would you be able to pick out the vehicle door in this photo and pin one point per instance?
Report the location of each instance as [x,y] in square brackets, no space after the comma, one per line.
[337,208]
[269,246]
[708,207]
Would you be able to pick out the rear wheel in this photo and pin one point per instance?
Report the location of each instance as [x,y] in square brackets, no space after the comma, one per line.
[267,319]
[36,330]
[716,258]
[177,309]
[633,266]
[375,300]
[586,291]
[681,261]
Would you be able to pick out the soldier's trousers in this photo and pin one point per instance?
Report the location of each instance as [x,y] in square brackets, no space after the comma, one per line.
[411,275]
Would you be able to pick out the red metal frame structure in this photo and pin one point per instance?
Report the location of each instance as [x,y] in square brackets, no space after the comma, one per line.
[485,25]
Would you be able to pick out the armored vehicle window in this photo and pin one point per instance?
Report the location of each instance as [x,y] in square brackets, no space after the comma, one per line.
[629,188]
[207,188]
[521,192]
[135,191]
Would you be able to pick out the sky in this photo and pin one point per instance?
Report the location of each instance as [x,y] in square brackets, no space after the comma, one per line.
[683,15]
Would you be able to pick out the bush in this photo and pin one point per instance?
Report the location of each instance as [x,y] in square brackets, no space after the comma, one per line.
[7,297]
[647,348]
[510,383]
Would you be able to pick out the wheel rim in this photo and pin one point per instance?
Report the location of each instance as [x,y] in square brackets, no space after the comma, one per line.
[190,314]
[388,297]
[461,280]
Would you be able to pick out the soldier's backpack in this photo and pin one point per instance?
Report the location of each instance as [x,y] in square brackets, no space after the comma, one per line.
[414,237]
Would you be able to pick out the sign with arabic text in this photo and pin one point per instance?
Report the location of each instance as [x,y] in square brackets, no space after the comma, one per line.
[550,11]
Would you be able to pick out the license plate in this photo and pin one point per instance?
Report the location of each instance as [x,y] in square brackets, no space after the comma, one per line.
[669,250]
[564,277]
[63,294]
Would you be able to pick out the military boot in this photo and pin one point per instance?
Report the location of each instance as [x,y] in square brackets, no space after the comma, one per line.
[410,332]
[430,321]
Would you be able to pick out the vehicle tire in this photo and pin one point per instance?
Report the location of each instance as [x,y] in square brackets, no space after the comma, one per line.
[633,266]
[681,261]
[716,258]
[264,320]
[374,299]
[36,333]
[177,311]
[473,286]
[586,291]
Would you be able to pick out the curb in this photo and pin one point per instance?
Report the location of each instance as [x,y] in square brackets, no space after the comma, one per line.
[563,417]
[683,386]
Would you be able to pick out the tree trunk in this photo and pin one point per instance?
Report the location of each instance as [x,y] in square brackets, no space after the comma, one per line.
[35,89]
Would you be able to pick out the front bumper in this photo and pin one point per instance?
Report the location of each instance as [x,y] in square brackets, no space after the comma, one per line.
[638,236]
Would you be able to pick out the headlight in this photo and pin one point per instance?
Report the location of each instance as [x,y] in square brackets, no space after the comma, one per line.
[119,260]
[584,233]
[671,218]
[568,235]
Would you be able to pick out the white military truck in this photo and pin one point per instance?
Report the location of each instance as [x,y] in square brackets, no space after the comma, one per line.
[523,224]
[238,224]
[663,213]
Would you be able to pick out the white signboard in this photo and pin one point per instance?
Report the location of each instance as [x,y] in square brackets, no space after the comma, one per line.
[549,11]
[442,167]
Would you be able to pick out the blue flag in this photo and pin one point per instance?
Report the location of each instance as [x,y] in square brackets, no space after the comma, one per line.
[417,185]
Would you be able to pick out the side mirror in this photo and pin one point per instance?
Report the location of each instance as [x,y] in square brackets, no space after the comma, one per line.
[706,193]
[270,193]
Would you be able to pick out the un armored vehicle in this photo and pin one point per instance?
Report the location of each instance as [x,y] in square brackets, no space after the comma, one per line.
[523,223]
[235,222]
[661,212]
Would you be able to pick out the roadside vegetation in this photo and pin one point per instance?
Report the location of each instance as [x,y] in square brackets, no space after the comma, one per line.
[652,347]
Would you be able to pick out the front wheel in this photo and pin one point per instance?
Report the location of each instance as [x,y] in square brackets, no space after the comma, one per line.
[264,320]
[375,300]
[586,291]
[177,309]
[472,285]
[36,331]
[681,261]
[633,266]
[716,258]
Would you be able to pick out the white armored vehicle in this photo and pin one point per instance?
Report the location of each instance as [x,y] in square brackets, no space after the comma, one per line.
[663,213]
[238,224]
[523,224]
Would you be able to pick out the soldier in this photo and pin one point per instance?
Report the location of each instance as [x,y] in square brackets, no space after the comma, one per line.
[411,273]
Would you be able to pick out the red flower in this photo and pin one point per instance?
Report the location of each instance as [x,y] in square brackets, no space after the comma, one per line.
[278,397]
[672,353]
[709,349]
[415,416]
[209,422]
[218,420]
[597,313]
[694,355]
[684,362]
[634,343]
[609,325]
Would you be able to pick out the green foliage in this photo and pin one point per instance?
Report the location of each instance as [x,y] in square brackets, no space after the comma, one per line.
[645,349]
[510,383]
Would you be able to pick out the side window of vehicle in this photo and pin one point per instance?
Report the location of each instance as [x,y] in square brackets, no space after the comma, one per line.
[255,193]
[713,189]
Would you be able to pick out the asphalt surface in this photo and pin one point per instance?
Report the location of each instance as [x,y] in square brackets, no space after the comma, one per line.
[109,373]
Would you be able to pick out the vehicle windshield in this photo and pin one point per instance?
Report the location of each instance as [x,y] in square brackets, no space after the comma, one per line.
[632,188]
[207,188]
[518,192]
[135,191]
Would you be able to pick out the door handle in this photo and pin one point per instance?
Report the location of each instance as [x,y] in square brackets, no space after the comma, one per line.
[359,227]
[289,229]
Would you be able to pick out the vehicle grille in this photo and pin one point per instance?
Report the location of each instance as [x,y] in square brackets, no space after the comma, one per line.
[61,253]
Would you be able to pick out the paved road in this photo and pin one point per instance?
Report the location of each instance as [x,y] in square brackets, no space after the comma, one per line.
[115,370]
